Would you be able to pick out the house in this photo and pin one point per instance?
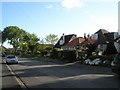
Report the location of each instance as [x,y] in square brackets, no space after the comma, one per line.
[89,45]
[64,40]
[102,41]
[88,41]
[105,41]
[74,44]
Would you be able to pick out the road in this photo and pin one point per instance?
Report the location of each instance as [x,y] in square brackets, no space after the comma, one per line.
[8,79]
[42,74]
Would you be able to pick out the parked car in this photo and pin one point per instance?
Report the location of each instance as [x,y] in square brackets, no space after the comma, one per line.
[116,64]
[11,59]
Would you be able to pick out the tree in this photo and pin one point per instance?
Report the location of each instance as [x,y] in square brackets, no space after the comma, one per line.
[32,42]
[14,35]
[51,38]
[19,38]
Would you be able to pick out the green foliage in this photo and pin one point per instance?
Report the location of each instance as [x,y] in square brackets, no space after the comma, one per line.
[69,55]
[108,57]
[38,52]
[2,49]
[66,55]
[19,38]
[51,38]
[94,57]
[55,53]
[44,52]
[91,48]
[14,35]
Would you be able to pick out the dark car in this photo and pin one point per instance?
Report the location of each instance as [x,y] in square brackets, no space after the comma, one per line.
[116,64]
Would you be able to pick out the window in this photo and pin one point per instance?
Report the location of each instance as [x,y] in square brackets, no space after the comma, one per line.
[61,42]
[94,36]
[102,47]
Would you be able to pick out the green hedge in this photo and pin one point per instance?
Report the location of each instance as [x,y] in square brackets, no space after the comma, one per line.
[65,55]
[55,54]
[69,56]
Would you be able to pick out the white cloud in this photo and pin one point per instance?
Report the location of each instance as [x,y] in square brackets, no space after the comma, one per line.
[49,6]
[72,3]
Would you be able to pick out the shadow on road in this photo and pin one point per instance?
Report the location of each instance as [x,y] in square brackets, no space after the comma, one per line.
[83,76]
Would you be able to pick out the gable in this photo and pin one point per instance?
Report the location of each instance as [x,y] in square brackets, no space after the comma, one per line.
[101,36]
[67,39]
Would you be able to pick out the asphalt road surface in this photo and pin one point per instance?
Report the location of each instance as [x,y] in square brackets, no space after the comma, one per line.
[42,74]
[8,79]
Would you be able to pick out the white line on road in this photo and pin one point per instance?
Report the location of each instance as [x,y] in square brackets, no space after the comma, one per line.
[23,86]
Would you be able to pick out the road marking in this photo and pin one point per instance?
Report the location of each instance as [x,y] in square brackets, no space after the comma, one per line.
[20,82]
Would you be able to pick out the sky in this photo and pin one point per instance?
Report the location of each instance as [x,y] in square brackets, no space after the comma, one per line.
[44,17]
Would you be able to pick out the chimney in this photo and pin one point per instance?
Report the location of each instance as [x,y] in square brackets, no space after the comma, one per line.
[88,35]
[63,37]
[85,36]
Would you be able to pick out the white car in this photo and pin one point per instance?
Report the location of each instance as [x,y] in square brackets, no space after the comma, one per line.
[11,59]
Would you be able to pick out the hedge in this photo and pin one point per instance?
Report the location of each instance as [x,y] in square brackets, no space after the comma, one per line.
[66,55]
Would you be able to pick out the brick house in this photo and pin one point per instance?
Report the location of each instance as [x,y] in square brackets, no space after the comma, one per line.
[74,44]
[64,40]
[101,41]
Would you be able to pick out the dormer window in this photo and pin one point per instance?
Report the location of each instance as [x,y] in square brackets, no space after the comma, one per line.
[61,42]
[94,36]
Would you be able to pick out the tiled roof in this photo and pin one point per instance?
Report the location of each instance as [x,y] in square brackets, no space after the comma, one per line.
[67,39]
[88,41]
[74,42]
[103,31]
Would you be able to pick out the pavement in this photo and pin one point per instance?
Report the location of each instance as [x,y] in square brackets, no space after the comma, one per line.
[8,79]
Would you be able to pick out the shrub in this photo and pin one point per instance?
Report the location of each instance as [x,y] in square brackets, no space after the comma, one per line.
[55,54]
[66,55]
[69,55]
[94,57]
[43,52]
[38,52]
